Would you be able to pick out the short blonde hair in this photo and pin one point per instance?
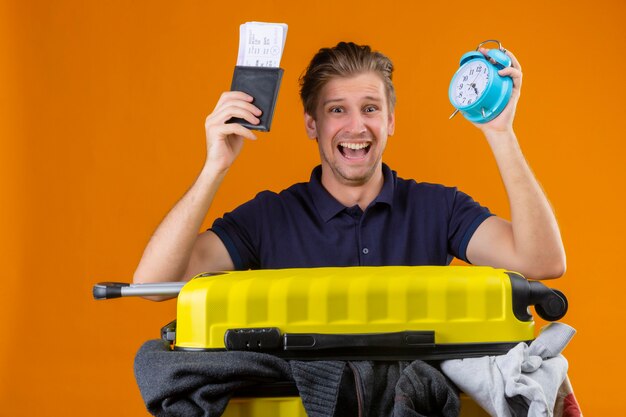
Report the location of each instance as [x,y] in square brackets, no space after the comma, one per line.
[346,59]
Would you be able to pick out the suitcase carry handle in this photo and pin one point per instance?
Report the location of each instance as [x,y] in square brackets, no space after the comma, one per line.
[270,338]
[320,341]
[404,345]
[107,290]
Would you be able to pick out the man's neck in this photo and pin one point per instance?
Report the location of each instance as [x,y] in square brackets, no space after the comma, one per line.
[353,194]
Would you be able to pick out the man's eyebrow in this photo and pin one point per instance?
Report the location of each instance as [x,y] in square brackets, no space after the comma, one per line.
[340,99]
[332,100]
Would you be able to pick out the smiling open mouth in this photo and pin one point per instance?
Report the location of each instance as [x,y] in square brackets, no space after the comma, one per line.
[354,150]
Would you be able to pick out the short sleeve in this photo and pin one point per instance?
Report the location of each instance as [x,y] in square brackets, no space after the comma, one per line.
[240,231]
[465,217]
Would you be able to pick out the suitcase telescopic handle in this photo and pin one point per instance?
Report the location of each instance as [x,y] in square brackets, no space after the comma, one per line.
[107,290]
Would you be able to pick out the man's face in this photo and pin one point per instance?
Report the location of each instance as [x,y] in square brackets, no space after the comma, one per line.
[351,124]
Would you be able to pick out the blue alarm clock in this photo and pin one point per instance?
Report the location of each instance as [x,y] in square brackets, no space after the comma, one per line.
[476,89]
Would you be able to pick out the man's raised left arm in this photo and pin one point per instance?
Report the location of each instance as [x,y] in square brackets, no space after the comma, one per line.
[531,242]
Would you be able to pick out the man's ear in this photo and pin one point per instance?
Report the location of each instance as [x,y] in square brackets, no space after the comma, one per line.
[310,126]
[391,124]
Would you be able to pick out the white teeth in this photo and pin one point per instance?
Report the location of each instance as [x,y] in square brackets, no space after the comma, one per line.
[354,146]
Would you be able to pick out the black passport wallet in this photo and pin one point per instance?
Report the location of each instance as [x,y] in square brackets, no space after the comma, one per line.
[263,84]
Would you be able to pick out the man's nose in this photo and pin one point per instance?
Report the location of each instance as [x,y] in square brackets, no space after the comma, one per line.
[356,123]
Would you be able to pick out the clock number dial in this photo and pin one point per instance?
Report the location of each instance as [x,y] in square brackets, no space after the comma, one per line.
[471,82]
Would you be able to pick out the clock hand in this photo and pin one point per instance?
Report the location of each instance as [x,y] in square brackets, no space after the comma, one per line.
[473,84]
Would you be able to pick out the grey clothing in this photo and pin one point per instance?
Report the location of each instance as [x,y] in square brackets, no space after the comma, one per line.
[524,382]
[200,384]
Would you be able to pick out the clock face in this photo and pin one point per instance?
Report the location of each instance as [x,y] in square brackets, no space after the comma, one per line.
[470,82]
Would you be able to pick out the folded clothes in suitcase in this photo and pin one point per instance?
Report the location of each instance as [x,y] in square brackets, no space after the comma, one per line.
[354,313]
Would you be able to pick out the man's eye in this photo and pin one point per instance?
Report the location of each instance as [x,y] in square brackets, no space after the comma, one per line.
[370,109]
[336,110]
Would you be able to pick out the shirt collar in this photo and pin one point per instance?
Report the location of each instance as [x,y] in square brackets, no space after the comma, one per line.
[386,193]
[328,207]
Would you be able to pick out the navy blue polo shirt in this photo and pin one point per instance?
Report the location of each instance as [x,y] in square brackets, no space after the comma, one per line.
[409,223]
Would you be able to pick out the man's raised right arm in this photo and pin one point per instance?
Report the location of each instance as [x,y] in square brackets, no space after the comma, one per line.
[176,252]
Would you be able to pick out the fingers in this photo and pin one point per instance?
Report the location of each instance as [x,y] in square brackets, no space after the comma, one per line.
[514,71]
[515,74]
[234,129]
[510,72]
[235,104]
[244,111]
[233,95]
[485,52]
[514,62]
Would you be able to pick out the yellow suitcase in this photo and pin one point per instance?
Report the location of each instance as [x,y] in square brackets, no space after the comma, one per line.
[352,313]
[399,312]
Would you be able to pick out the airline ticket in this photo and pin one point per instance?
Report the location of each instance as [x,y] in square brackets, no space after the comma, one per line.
[261,44]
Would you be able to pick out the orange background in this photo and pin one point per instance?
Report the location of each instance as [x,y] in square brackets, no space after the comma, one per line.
[102,111]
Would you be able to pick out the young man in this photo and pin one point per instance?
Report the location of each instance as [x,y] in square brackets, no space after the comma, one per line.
[354,210]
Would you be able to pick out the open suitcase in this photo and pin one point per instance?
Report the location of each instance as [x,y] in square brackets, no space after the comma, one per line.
[351,313]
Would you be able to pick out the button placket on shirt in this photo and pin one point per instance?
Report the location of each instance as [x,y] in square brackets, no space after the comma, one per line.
[363,246]
[366,241]
[358,215]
